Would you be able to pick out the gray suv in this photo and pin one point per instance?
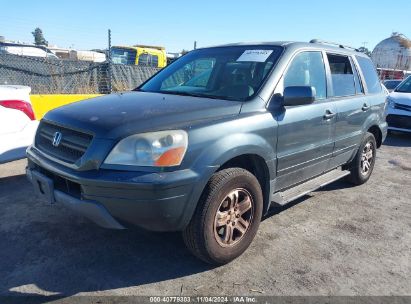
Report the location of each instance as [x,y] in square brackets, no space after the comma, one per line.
[207,144]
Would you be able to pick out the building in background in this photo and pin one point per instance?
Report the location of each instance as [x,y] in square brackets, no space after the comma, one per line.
[392,57]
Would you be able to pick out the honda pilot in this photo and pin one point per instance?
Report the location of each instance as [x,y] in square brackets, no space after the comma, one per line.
[207,144]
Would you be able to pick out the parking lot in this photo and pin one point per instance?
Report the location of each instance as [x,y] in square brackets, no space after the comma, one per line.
[342,240]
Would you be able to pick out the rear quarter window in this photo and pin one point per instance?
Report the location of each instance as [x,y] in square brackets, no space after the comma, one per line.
[370,75]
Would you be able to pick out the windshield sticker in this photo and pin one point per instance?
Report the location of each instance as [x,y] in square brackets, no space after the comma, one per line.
[255,55]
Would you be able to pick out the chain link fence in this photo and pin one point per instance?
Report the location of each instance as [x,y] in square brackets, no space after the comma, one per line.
[56,76]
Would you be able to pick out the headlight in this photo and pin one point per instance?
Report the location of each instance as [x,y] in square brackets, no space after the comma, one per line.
[154,149]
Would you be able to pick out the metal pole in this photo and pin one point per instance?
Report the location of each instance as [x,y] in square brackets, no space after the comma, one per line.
[110,78]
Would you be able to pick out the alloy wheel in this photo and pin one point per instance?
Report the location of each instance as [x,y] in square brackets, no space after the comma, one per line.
[234,217]
[367,158]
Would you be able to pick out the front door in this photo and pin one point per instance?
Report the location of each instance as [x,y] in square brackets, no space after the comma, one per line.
[305,133]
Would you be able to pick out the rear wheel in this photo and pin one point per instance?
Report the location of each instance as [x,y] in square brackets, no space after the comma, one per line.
[227,217]
[363,163]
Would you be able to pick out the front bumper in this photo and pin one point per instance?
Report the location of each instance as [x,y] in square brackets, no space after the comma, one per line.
[399,119]
[118,199]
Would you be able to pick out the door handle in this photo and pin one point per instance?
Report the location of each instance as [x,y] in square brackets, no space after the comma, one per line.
[328,114]
[365,107]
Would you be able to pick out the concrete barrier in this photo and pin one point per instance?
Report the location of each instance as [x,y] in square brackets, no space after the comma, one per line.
[44,103]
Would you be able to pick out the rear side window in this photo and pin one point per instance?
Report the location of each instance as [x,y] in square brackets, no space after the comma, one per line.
[307,69]
[342,76]
[370,75]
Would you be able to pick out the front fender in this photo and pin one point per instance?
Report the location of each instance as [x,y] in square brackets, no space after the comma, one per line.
[234,145]
[219,152]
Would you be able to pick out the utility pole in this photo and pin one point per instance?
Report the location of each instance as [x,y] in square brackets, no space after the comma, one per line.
[109,83]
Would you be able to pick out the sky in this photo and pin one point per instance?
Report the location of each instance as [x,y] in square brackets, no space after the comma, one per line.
[177,24]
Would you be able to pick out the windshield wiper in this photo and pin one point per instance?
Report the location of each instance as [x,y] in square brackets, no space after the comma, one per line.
[196,95]
[175,93]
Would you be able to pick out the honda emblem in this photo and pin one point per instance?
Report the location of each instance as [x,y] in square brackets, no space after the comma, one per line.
[57,139]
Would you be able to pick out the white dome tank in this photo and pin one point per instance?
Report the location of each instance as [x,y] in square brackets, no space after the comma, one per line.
[393,53]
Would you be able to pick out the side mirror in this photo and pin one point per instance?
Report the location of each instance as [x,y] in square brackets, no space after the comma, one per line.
[298,95]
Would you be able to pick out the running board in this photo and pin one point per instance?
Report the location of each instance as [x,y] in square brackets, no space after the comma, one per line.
[286,196]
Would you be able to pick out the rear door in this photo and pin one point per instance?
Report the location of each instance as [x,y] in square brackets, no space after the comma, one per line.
[306,132]
[347,92]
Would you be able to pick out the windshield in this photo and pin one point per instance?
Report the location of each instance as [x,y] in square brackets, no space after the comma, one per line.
[123,55]
[391,84]
[405,86]
[233,73]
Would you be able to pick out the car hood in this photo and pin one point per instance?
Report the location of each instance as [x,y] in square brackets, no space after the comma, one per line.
[401,98]
[119,115]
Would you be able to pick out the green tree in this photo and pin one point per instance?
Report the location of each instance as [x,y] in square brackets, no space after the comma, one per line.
[364,50]
[39,37]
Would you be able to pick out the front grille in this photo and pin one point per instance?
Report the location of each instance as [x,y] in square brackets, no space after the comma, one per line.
[72,146]
[399,121]
[402,107]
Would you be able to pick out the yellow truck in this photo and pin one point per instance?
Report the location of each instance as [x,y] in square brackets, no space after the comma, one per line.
[146,55]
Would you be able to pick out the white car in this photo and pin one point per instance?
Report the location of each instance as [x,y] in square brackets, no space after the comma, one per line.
[17,122]
[399,107]
[391,84]
[26,50]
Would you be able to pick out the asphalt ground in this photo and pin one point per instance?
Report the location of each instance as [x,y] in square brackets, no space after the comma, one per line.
[342,240]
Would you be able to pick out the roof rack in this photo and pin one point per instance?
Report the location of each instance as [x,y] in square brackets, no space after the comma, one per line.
[342,46]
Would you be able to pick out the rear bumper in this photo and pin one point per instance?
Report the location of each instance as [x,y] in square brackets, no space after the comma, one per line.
[118,199]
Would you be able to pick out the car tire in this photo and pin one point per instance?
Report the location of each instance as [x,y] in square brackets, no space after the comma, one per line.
[363,164]
[227,217]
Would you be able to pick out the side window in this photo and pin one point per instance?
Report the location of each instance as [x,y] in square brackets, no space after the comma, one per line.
[307,69]
[154,60]
[148,60]
[342,75]
[370,75]
[144,59]
[123,56]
